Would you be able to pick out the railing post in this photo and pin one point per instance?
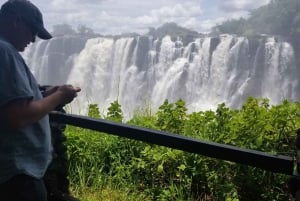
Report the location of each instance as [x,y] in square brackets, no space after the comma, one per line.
[56,177]
[294,181]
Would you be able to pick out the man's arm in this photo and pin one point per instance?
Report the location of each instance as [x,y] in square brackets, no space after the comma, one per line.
[23,112]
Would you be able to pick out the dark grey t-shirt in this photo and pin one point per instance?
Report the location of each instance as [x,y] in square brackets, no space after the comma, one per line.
[27,150]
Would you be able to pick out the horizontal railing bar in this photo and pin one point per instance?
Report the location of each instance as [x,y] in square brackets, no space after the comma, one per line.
[262,160]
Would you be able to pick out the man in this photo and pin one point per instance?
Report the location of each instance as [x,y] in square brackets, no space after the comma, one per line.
[25,142]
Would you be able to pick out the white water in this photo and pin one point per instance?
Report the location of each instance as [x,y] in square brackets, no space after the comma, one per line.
[142,71]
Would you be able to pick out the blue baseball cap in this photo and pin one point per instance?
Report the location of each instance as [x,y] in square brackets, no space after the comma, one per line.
[29,13]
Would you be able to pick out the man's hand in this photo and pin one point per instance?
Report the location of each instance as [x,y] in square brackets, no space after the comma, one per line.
[21,112]
[68,93]
[49,90]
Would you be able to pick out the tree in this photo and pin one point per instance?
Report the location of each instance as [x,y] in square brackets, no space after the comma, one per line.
[63,29]
[84,30]
[93,111]
[171,117]
[115,112]
[279,17]
[232,26]
[275,18]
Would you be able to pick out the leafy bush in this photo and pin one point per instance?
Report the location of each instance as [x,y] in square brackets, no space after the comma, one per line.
[101,161]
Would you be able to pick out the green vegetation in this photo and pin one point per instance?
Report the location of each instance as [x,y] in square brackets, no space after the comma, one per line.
[106,167]
[174,31]
[279,17]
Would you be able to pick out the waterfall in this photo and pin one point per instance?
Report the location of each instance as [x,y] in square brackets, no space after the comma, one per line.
[143,71]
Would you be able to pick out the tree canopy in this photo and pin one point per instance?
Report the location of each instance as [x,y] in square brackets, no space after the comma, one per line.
[279,17]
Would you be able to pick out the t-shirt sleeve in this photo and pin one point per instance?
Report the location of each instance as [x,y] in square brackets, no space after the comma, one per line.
[14,82]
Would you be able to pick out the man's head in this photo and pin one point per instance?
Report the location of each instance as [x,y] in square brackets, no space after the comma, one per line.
[22,17]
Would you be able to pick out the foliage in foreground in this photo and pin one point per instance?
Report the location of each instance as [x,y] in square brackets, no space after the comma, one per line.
[148,172]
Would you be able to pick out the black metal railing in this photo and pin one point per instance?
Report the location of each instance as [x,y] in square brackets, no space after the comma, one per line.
[271,162]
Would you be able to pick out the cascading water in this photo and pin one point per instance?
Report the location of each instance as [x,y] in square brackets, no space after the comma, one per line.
[143,71]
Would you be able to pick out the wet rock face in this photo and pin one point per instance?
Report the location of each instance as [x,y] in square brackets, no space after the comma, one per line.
[139,69]
[141,59]
[213,44]
[295,42]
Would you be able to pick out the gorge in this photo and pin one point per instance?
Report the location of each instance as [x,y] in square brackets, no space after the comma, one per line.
[143,70]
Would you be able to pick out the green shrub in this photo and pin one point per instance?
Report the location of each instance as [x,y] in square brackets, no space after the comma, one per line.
[101,161]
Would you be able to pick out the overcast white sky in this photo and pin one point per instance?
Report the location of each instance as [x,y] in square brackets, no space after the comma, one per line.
[123,16]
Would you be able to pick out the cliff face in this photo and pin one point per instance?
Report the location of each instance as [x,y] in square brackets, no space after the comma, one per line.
[146,69]
[294,40]
[52,61]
